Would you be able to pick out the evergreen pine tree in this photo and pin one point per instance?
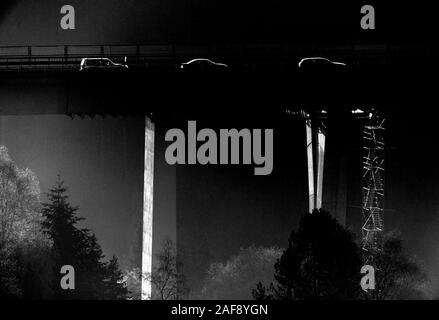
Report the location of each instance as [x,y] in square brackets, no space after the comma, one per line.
[114,283]
[79,248]
[60,225]
[322,261]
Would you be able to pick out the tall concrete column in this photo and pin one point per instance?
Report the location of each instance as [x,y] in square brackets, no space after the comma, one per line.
[315,143]
[148,196]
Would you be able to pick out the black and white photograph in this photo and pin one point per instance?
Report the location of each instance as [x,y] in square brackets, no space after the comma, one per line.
[243,152]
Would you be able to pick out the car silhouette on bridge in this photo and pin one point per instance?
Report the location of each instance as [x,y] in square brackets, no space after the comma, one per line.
[321,63]
[202,64]
[100,64]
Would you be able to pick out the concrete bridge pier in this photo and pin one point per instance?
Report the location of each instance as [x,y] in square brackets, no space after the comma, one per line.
[148,197]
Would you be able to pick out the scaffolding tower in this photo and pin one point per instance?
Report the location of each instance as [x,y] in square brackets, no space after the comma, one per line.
[373,185]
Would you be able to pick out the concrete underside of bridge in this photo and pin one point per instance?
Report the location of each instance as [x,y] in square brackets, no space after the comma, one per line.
[165,93]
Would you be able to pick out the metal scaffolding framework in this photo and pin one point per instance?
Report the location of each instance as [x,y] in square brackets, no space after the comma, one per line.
[373,183]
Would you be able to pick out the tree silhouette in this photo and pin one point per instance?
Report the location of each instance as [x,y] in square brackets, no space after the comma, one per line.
[167,280]
[79,248]
[24,250]
[322,261]
[9,281]
[397,274]
[114,283]
[235,278]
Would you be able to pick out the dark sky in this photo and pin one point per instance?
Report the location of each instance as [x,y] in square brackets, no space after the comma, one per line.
[34,22]
[155,21]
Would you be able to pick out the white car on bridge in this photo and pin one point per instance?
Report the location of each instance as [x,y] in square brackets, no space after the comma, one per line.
[203,64]
[100,64]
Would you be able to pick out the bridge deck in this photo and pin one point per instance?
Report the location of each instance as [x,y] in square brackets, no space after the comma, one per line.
[274,54]
[46,79]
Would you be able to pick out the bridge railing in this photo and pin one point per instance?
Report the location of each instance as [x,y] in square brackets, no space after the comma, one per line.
[69,56]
